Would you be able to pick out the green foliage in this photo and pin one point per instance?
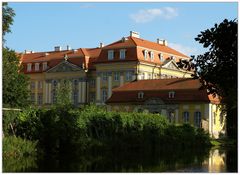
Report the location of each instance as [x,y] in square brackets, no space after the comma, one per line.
[217,68]
[15,93]
[60,130]
[7,18]
[64,92]
[18,154]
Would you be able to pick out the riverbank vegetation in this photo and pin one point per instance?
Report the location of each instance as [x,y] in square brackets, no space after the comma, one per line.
[58,130]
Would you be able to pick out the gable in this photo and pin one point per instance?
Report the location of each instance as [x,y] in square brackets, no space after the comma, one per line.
[65,66]
[171,65]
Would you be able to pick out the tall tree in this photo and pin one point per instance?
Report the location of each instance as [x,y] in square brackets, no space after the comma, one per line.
[217,68]
[15,91]
[7,18]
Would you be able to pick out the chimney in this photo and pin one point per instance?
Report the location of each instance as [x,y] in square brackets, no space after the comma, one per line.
[134,34]
[163,42]
[101,45]
[57,48]
[68,47]
[28,51]
[74,50]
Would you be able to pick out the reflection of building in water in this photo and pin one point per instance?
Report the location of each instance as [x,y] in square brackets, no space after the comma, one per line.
[216,161]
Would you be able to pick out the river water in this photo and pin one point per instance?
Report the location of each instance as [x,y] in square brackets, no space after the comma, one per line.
[214,160]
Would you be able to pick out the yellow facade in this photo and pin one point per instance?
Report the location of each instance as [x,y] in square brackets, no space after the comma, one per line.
[210,123]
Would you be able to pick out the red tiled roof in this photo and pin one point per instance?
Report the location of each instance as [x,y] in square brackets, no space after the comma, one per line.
[82,55]
[186,90]
[135,48]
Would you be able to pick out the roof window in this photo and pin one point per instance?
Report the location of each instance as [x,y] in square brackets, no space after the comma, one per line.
[36,66]
[29,67]
[122,53]
[171,94]
[161,57]
[44,66]
[110,55]
[145,54]
[152,55]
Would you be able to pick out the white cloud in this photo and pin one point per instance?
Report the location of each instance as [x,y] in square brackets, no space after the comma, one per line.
[143,16]
[86,6]
[183,49]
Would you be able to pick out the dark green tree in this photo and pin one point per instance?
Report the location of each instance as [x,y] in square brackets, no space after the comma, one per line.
[7,18]
[15,84]
[15,91]
[217,68]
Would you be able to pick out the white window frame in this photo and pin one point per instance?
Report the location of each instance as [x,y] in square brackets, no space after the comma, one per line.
[145,54]
[33,85]
[44,66]
[36,66]
[152,55]
[197,119]
[29,67]
[110,54]
[104,76]
[171,94]
[104,95]
[116,76]
[161,57]
[185,117]
[40,85]
[128,76]
[122,53]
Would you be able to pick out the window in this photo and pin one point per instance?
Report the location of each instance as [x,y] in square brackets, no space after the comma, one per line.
[152,55]
[122,53]
[161,57]
[185,117]
[104,76]
[140,95]
[29,67]
[171,116]
[128,76]
[110,55]
[40,99]
[36,66]
[92,97]
[171,94]
[32,97]
[75,97]
[40,85]
[142,76]
[104,95]
[54,91]
[149,76]
[145,54]
[44,66]
[116,76]
[92,82]
[32,85]
[173,58]
[197,119]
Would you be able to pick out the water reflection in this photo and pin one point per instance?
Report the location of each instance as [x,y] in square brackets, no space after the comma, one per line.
[214,160]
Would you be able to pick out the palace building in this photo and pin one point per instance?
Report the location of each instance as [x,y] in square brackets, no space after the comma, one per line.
[95,72]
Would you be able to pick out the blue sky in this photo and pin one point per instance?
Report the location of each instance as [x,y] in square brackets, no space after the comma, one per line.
[41,26]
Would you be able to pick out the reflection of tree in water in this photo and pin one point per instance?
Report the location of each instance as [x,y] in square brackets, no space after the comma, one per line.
[23,164]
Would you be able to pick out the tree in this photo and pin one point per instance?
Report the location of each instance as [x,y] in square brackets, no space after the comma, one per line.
[7,18]
[15,84]
[217,68]
[15,91]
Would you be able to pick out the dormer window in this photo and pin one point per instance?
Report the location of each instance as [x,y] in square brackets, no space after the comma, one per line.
[29,67]
[122,53]
[161,57]
[44,66]
[171,94]
[140,95]
[152,55]
[110,55]
[173,58]
[145,54]
[36,66]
